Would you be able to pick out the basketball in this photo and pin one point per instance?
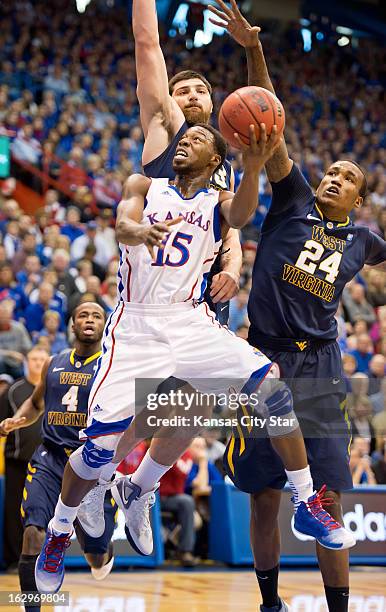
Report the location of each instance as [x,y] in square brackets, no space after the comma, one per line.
[247,106]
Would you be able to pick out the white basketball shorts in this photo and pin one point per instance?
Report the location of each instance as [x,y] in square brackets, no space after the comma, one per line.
[143,341]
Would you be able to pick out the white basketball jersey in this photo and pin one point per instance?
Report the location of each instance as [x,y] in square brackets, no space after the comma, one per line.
[181,267]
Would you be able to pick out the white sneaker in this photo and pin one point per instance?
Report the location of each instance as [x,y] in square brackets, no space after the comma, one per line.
[91,514]
[101,572]
[136,509]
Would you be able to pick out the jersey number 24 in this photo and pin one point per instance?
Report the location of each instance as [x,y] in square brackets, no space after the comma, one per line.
[313,252]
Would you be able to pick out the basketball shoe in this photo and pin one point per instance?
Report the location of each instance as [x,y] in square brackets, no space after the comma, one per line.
[313,520]
[136,508]
[91,514]
[282,607]
[100,573]
[49,567]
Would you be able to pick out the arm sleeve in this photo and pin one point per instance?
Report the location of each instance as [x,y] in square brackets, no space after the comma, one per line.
[375,252]
[291,192]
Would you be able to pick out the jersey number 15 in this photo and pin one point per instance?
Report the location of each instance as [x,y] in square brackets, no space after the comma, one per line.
[180,241]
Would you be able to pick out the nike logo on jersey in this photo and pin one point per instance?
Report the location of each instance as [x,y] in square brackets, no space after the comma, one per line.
[312,218]
[57,369]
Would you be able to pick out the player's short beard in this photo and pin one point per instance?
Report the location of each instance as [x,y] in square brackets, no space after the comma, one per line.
[192,116]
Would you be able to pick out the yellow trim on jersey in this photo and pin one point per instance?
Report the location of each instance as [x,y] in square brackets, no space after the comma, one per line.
[29,477]
[88,360]
[116,516]
[319,211]
[25,494]
[246,413]
[344,224]
[113,502]
[242,441]
[31,469]
[230,453]
[22,511]
[92,358]
[343,408]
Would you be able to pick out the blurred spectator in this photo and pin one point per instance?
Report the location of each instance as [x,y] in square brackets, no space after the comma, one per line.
[84,268]
[78,247]
[11,290]
[25,147]
[130,463]
[242,331]
[60,263]
[376,287]
[361,412]
[30,276]
[356,305]
[363,353]
[377,368]
[238,310]
[214,448]
[174,500]
[361,470]
[72,228]
[110,298]
[12,334]
[26,248]
[379,466]
[5,382]
[34,313]
[51,324]
[19,448]
[199,484]
[11,239]
[379,420]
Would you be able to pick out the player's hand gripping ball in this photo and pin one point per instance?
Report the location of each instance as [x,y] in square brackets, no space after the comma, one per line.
[247,106]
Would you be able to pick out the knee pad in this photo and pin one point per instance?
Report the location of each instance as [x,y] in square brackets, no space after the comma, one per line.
[89,460]
[278,401]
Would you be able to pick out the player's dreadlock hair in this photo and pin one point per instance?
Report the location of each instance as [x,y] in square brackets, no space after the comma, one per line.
[363,189]
[219,142]
[188,74]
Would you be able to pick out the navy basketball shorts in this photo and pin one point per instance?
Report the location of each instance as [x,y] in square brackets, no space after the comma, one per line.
[316,379]
[41,492]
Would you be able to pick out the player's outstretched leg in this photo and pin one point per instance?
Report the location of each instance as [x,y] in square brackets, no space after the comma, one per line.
[81,472]
[311,518]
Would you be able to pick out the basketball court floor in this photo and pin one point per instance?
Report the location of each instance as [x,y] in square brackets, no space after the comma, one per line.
[206,591]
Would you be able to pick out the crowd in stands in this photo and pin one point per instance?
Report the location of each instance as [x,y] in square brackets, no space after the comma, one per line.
[67,93]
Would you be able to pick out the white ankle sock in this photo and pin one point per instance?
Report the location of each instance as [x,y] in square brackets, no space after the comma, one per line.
[301,484]
[64,517]
[148,473]
[107,472]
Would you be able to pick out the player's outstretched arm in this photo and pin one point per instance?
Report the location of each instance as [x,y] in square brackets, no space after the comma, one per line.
[157,108]
[129,228]
[30,410]
[238,208]
[280,165]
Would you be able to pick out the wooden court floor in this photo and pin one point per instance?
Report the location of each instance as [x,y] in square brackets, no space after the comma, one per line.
[211,591]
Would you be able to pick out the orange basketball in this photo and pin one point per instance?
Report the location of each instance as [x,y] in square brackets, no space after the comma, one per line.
[249,105]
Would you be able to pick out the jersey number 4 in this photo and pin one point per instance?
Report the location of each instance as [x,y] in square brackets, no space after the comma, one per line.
[180,241]
[70,399]
[313,252]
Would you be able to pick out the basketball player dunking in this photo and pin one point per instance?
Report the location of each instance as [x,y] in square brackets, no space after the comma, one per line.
[309,250]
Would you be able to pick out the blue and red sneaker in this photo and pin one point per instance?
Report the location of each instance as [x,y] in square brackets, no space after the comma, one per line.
[313,520]
[49,567]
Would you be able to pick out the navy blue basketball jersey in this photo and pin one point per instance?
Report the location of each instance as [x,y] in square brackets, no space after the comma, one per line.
[162,166]
[303,263]
[68,384]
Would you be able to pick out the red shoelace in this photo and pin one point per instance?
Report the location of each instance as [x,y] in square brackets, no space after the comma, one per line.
[316,507]
[54,551]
